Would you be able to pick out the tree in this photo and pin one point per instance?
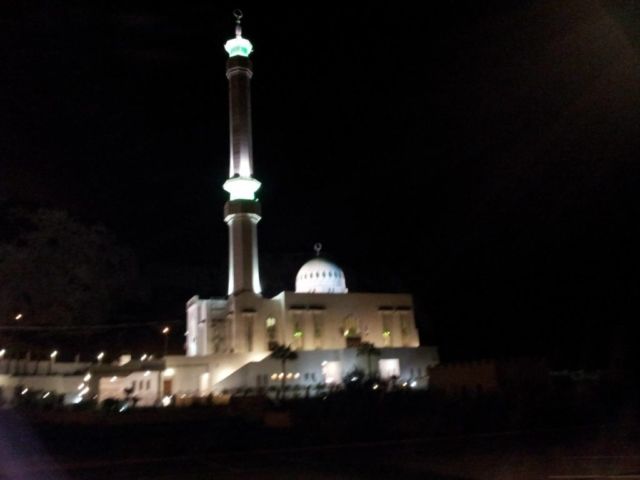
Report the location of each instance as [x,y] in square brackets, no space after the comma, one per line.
[368,349]
[284,354]
[54,270]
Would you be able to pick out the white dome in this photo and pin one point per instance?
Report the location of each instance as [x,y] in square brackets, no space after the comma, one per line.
[320,276]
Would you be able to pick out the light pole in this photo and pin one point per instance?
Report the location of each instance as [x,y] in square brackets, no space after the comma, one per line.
[165,332]
[52,361]
[2,354]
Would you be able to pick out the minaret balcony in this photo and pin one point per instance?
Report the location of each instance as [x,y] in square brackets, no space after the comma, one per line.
[242,188]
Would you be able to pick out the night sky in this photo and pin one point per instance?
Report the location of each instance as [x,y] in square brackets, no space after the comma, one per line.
[484,160]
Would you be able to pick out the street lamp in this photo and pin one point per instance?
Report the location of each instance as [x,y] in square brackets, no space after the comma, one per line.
[19,316]
[53,359]
[165,332]
[2,353]
[100,357]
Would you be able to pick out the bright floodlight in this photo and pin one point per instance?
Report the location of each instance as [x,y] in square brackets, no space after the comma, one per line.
[54,354]
[19,316]
[166,330]
[242,188]
[101,356]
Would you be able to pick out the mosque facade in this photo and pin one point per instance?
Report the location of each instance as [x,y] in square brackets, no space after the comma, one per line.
[229,340]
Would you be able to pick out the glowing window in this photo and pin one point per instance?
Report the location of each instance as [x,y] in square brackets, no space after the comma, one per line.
[271,324]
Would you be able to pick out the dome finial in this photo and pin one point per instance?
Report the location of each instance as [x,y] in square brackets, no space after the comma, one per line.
[238,14]
[317,247]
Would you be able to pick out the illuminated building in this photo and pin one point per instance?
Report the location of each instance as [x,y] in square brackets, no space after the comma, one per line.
[228,340]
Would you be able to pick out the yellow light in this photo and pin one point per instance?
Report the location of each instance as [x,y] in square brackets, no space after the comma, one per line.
[274,376]
[19,316]
[166,330]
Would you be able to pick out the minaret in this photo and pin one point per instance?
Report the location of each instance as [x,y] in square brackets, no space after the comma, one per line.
[242,211]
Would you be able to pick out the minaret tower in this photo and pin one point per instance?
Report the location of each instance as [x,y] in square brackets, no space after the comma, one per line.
[242,211]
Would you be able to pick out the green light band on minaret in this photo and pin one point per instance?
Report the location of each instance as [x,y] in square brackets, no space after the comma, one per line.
[238,47]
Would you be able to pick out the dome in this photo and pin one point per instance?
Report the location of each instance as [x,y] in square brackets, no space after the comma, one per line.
[320,276]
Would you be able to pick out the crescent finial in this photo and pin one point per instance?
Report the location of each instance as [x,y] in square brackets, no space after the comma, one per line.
[238,14]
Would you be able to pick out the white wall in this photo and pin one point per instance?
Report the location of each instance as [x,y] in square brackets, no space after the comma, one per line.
[62,385]
[242,370]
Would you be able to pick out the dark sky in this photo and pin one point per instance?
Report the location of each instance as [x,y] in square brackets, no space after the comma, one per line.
[483,159]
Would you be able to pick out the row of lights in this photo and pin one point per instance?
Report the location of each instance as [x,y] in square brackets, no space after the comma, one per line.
[280,376]
[100,356]
[165,332]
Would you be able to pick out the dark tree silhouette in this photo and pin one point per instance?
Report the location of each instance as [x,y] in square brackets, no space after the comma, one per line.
[284,354]
[368,349]
[56,271]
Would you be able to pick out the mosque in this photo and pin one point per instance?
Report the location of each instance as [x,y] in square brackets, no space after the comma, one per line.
[229,340]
